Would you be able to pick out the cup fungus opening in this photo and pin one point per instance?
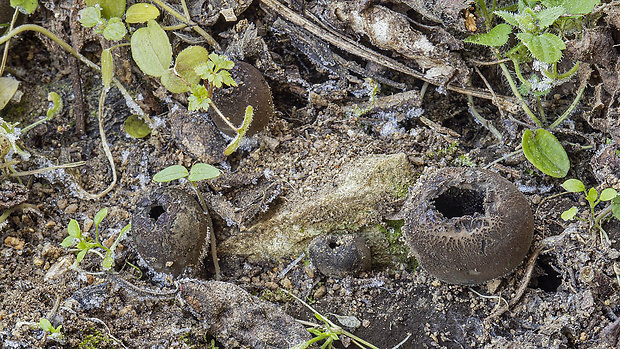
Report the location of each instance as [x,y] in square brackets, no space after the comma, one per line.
[156,211]
[459,202]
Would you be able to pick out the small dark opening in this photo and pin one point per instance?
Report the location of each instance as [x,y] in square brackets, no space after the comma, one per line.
[550,279]
[156,211]
[333,245]
[458,202]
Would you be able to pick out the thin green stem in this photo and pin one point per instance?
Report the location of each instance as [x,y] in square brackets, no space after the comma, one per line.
[225,119]
[517,94]
[210,40]
[541,110]
[570,109]
[6,47]
[486,123]
[602,215]
[523,80]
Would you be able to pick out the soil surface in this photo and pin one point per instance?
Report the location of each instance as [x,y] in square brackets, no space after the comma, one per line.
[563,295]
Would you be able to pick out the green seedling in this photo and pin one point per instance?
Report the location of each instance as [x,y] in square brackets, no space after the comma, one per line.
[374,89]
[327,332]
[198,172]
[593,198]
[85,244]
[536,25]
[53,332]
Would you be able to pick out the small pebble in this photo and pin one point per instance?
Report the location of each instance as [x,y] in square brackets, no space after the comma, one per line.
[14,242]
[436,283]
[37,261]
[320,292]
[271,285]
[286,283]
[71,209]
[62,204]
[88,223]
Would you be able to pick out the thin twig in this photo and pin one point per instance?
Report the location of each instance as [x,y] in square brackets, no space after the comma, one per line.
[47,169]
[6,47]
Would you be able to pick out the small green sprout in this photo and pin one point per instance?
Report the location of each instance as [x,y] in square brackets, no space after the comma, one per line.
[47,326]
[593,198]
[85,244]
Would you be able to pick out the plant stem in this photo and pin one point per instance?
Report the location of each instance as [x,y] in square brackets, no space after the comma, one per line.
[517,94]
[602,215]
[210,40]
[219,113]
[486,123]
[570,109]
[541,110]
[203,203]
[6,47]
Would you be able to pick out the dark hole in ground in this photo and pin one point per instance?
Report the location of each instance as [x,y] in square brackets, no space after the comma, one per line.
[333,245]
[156,211]
[458,202]
[549,280]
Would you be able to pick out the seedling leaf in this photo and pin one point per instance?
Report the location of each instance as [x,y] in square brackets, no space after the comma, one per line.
[573,186]
[107,67]
[73,229]
[549,15]
[136,127]
[608,194]
[615,207]
[46,325]
[89,16]
[187,60]
[545,152]
[115,30]
[25,6]
[592,195]
[202,171]
[80,256]
[68,241]
[141,12]
[173,83]
[569,214]
[99,216]
[108,261]
[109,8]
[171,173]
[545,47]
[497,36]
[8,87]
[199,98]
[56,105]
[151,50]
[247,120]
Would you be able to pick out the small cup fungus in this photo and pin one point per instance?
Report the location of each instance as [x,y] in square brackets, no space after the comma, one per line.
[467,226]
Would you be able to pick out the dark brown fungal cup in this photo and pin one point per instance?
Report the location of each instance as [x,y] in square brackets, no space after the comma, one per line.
[467,226]
[170,232]
[231,101]
[339,255]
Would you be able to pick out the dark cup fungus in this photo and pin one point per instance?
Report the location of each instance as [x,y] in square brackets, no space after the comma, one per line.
[467,226]
[252,90]
[339,255]
[170,232]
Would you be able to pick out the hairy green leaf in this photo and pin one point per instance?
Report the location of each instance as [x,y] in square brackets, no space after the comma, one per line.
[573,186]
[56,105]
[141,12]
[136,127]
[545,47]
[545,152]
[109,8]
[549,15]
[497,36]
[8,87]
[202,171]
[151,50]
[508,17]
[171,173]
[247,120]
[108,261]
[573,7]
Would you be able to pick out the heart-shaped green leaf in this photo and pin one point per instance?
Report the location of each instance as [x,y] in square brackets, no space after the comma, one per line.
[141,12]
[545,152]
[151,49]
